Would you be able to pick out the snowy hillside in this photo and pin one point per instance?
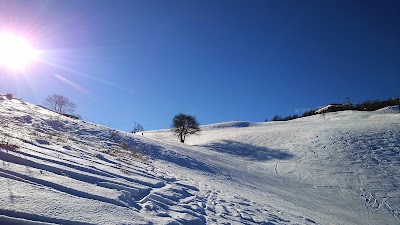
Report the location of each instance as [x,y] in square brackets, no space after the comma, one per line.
[338,168]
[66,171]
[343,168]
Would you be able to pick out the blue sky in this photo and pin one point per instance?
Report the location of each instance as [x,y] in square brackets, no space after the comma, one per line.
[145,61]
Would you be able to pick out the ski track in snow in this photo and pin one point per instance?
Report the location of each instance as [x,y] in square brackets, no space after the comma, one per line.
[63,173]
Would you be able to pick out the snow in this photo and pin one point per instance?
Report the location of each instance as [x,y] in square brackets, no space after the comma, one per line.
[337,168]
[389,109]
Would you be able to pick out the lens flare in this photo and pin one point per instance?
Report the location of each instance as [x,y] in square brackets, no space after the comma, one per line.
[16,52]
[69,82]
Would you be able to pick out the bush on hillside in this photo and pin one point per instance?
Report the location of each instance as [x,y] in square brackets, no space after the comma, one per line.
[277,118]
[308,113]
[9,96]
[7,143]
[295,116]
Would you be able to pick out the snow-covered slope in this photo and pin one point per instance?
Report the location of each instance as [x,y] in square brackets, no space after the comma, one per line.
[390,109]
[342,168]
[57,170]
[338,168]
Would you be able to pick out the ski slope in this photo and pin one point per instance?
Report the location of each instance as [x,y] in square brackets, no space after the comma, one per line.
[341,168]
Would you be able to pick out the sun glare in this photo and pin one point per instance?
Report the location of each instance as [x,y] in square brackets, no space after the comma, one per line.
[16,52]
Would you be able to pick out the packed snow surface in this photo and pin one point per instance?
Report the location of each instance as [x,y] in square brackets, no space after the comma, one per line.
[338,168]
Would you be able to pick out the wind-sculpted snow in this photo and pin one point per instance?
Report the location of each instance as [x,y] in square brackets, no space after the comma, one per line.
[57,170]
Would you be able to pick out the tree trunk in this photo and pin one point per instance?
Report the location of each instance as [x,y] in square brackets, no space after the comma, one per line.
[181,137]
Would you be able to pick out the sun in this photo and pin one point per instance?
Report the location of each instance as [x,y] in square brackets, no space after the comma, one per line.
[16,52]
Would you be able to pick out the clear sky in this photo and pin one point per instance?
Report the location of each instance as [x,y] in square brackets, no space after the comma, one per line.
[145,61]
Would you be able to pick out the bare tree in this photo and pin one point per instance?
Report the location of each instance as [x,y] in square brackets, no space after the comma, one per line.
[184,125]
[348,104]
[59,104]
[137,127]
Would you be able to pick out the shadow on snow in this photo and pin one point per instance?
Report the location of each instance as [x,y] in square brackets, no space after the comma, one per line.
[248,151]
[157,152]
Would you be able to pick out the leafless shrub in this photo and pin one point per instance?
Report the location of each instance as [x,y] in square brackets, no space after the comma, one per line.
[9,96]
[124,145]
[8,143]
[122,150]
[113,134]
[125,170]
